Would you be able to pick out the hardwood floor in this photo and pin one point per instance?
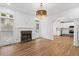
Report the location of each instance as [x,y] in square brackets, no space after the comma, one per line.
[61,46]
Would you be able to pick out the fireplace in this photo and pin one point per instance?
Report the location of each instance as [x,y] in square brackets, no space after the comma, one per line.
[26,36]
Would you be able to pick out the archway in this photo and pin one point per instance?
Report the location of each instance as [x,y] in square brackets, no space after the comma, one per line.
[64,29]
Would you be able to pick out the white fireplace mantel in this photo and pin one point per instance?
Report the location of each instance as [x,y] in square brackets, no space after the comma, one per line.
[22,28]
[18,32]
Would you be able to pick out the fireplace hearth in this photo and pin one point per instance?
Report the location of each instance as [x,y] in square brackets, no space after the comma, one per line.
[26,36]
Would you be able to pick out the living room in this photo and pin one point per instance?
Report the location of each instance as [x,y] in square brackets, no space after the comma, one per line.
[23,29]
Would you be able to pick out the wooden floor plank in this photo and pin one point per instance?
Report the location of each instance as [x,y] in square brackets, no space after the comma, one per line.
[60,46]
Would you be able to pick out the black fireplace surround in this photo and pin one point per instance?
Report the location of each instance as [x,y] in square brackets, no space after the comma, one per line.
[26,36]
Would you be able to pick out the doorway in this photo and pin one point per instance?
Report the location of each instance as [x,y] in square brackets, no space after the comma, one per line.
[63,29]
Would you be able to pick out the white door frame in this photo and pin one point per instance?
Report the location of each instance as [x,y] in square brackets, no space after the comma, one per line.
[76,32]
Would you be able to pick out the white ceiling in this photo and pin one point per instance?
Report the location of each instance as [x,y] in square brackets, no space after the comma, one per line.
[30,8]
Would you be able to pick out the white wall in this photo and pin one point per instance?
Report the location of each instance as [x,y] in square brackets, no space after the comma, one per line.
[20,20]
[56,28]
[46,28]
[71,13]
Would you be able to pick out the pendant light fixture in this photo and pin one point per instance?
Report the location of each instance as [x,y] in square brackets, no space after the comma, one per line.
[41,13]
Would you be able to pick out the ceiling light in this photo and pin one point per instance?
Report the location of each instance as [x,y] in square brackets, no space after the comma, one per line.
[41,13]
